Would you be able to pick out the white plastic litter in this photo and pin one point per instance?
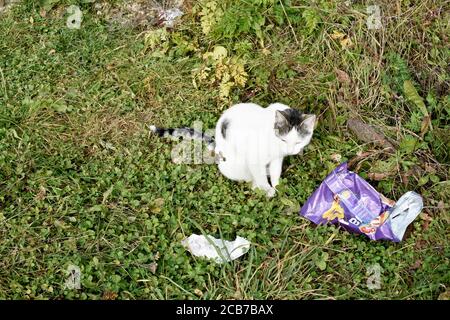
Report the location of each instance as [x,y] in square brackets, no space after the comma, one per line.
[169,16]
[405,210]
[216,249]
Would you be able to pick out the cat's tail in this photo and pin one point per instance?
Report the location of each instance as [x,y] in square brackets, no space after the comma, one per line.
[186,133]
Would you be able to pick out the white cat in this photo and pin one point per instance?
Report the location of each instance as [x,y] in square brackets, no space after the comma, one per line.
[252,141]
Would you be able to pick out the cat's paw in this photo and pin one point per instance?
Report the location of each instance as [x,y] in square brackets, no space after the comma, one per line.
[271,192]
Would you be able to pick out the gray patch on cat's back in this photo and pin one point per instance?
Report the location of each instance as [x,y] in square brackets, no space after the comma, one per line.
[224,127]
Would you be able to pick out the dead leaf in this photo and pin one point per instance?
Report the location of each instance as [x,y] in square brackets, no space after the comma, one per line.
[41,194]
[155,210]
[336,157]
[198,292]
[157,205]
[425,216]
[405,176]
[444,295]
[153,266]
[426,122]
[109,295]
[425,225]
[337,35]
[420,244]
[344,40]
[346,43]
[342,76]
[378,176]
[416,264]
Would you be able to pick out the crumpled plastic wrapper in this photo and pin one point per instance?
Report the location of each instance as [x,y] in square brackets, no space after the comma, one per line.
[170,16]
[216,249]
[346,199]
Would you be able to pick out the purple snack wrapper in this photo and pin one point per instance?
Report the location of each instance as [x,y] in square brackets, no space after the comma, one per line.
[346,199]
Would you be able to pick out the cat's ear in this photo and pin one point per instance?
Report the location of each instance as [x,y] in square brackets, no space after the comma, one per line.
[309,122]
[281,124]
[280,119]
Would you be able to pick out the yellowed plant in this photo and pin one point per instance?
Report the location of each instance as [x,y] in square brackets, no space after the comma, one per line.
[228,72]
[210,13]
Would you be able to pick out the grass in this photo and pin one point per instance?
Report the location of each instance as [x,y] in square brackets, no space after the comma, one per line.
[82,182]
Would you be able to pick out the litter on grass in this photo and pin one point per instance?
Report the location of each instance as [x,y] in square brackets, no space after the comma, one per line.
[346,199]
[216,249]
[168,17]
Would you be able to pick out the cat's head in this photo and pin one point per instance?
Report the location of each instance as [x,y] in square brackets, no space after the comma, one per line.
[294,128]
